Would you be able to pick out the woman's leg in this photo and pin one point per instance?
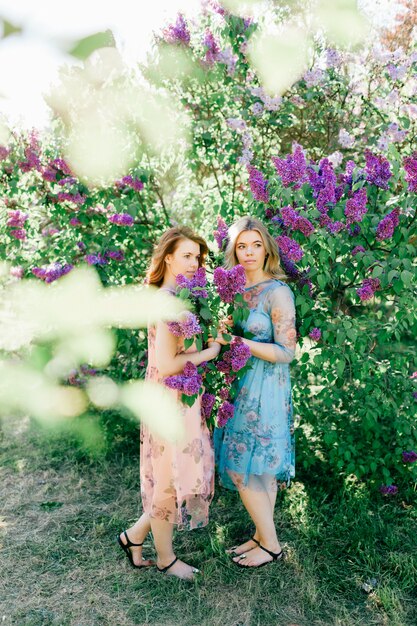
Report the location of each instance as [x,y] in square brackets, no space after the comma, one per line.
[162,533]
[137,534]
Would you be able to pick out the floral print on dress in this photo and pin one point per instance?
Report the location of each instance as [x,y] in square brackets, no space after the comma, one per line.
[259,440]
[177,480]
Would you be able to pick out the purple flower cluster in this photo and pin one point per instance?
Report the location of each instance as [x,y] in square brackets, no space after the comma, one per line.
[355,208]
[129,181]
[335,227]
[74,221]
[195,284]
[177,33]
[409,456]
[388,490]
[377,170]
[17,218]
[292,219]
[315,334]
[121,219]
[290,248]
[347,177]
[212,48]
[76,198]
[236,357]
[368,288]
[187,328]
[225,413]
[18,233]
[293,168]
[115,255]
[207,403]
[224,394]
[49,273]
[103,259]
[33,161]
[323,183]
[229,282]
[189,382]
[410,166]
[386,226]
[62,166]
[221,234]
[358,249]
[258,184]
[4,153]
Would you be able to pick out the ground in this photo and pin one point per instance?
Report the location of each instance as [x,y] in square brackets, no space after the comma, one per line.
[61,566]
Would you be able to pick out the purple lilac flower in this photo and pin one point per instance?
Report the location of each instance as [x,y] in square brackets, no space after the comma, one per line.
[221,234]
[19,233]
[32,160]
[377,170]
[289,267]
[129,181]
[333,58]
[413,375]
[81,246]
[50,273]
[388,490]
[386,226]
[289,247]
[246,157]
[187,328]
[358,249]
[314,77]
[225,413]
[66,196]
[345,139]
[96,259]
[335,227]
[195,284]
[115,255]
[293,168]
[121,219]
[257,109]
[212,48]
[315,334]
[4,153]
[347,177]
[224,394]
[292,219]
[229,59]
[240,354]
[16,218]
[368,288]
[74,221]
[189,382]
[17,271]
[229,282]
[410,166]
[207,403]
[355,209]
[415,395]
[49,231]
[68,180]
[49,174]
[258,184]
[409,456]
[61,165]
[177,33]
[353,230]
[323,183]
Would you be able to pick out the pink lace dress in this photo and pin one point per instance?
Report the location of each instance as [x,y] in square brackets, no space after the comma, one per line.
[177,480]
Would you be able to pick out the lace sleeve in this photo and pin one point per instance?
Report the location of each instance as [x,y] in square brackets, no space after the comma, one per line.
[282,312]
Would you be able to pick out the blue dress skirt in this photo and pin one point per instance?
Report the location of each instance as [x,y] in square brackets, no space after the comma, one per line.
[256,446]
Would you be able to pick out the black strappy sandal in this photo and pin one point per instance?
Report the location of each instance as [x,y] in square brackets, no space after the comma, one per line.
[233,548]
[276,556]
[164,570]
[126,549]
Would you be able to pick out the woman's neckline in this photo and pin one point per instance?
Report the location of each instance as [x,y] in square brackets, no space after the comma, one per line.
[260,283]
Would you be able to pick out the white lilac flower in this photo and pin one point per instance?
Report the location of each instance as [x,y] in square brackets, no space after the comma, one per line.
[345,139]
[336,158]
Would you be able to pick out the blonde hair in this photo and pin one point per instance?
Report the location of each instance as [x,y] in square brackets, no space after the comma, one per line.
[272,263]
[167,245]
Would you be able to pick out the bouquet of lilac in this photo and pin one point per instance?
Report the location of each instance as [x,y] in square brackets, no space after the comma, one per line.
[208,304]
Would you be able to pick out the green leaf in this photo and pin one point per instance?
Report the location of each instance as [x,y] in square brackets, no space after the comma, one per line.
[407,277]
[205,313]
[84,47]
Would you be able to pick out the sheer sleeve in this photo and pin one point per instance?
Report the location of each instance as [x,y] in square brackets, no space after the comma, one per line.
[282,311]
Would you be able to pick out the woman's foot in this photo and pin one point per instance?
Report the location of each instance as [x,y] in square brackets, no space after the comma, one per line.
[257,556]
[178,568]
[250,544]
[135,551]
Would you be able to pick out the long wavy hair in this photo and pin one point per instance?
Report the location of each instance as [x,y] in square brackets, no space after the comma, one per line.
[272,264]
[167,245]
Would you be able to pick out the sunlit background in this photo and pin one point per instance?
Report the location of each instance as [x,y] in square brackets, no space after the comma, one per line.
[46,31]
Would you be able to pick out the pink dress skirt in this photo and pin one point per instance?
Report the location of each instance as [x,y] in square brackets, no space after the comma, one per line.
[177,480]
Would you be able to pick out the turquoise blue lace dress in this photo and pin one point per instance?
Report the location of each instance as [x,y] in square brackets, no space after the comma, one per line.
[257,443]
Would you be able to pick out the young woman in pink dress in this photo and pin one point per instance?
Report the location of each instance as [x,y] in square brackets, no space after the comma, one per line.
[177,480]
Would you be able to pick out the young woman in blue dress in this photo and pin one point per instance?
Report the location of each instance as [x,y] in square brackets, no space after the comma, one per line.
[255,450]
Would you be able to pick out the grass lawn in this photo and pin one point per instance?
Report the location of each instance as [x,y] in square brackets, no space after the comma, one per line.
[60,564]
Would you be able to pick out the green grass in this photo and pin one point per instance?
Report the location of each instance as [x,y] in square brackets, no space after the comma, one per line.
[60,564]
